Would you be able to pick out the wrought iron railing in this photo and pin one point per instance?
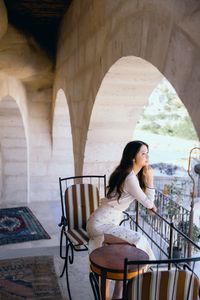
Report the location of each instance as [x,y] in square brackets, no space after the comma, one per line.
[171,210]
[166,238]
[171,248]
[174,251]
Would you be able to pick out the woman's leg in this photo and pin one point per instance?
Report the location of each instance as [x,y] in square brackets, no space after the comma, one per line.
[110,239]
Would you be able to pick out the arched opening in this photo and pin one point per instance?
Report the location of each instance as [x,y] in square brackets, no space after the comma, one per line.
[13,147]
[62,138]
[166,124]
[167,127]
[119,103]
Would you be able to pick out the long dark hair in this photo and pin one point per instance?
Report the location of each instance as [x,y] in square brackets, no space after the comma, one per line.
[117,178]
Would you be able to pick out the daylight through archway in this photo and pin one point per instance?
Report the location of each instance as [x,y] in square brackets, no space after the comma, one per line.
[168,129]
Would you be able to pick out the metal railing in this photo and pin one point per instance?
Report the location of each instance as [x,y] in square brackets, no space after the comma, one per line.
[171,210]
[166,238]
[171,248]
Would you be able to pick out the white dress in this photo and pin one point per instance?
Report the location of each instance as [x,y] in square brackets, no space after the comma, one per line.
[107,217]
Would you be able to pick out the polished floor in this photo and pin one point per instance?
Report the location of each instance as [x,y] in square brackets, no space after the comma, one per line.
[48,214]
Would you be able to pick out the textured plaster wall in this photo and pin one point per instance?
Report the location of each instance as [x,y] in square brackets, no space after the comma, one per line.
[111,54]
[13,140]
[26,77]
[95,34]
[13,153]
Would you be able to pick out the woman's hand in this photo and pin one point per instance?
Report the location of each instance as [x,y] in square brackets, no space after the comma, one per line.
[148,174]
[153,209]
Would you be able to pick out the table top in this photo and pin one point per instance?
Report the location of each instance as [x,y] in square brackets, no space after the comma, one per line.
[112,257]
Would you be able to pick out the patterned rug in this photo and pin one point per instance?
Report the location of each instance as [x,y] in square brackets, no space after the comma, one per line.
[18,225]
[30,278]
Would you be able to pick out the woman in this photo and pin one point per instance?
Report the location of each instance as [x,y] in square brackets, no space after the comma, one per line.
[131,180]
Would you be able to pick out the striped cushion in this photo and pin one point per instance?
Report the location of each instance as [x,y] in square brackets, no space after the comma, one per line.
[78,236]
[164,285]
[80,201]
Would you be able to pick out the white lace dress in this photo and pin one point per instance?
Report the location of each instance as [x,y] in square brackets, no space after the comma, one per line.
[107,217]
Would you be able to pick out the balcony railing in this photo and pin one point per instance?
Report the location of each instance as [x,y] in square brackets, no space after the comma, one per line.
[171,248]
[164,230]
[171,210]
[170,245]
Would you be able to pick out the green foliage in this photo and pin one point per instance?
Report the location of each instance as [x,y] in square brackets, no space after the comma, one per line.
[175,194]
[176,191]
[185,129]
[184,227]
[168,116]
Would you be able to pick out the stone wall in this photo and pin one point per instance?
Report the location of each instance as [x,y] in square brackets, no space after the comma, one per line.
[14,163]
[30,166]
[77,117]
[96,34]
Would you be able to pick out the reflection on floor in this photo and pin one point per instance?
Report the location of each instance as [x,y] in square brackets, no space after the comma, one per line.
[48,214]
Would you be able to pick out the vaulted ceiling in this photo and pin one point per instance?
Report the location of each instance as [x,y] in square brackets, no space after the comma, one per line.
[38,18]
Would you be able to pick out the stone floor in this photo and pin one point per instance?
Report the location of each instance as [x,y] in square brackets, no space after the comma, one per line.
[48,214]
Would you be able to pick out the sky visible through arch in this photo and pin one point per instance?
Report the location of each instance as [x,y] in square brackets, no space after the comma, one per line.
[166,126]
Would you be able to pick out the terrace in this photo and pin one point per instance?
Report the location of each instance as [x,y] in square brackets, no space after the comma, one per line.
[166,230]
[169,240]
[160,228]
[75,77]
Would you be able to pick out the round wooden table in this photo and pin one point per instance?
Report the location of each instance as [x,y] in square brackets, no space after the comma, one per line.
[108,263]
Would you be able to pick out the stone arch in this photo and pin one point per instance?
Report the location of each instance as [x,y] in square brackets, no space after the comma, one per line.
[10,86]
[62,137]
[108,30]
[13,153]
[14,141]
[120,100]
